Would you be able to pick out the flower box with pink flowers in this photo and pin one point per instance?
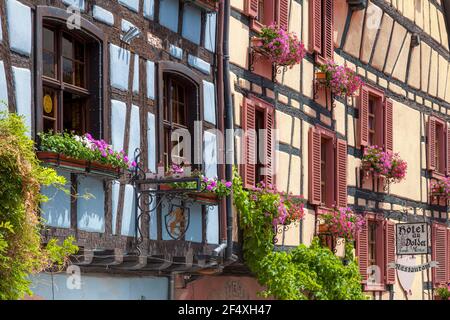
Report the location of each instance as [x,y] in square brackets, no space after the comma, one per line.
[342,223]
[386,164]
[281,47]
[82,154]
[342,80]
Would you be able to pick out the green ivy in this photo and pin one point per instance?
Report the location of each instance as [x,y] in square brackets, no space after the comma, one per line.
[304,273]
[21,177]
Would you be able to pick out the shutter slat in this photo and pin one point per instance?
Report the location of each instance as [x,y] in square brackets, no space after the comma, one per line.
[448,254]
[439,254]
[269,145]
[329,30]
[432,143]
[363,251]
[283,14]
[316,26]
[364,117]
[389,251]
[388,126]
[251,8]
[315,194]
[249,152]
[341,169]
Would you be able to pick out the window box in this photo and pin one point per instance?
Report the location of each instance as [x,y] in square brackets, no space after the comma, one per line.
[78,165]
[202,197]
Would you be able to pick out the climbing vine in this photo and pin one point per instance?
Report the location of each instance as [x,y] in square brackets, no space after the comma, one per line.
[21,176]
[304,273]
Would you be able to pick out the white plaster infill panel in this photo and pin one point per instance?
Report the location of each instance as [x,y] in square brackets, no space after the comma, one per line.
[22,84]
[19,27]
[119,67]
[133,5]
[149,9]
[3,88]
[79,4]
[103,15]
[118,116]
[136,74]
[199,64]
[150,80]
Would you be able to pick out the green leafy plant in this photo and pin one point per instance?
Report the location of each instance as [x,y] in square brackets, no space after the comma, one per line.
[84,148]
[21,177]
[304,273]
[443,292]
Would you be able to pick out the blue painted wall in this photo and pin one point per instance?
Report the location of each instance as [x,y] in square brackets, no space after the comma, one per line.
[3,87]
[149,9]
[100,287]
[22,84]
[151,139]
[118,116]
[128,216]
[210,31]
[212,225]
[192,23]
[56,212]
[135,132]
[90,204]
[119,67]
[115,188]
[168,14]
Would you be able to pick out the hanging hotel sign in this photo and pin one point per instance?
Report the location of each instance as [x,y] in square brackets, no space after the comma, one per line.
[412,238]
[422,267]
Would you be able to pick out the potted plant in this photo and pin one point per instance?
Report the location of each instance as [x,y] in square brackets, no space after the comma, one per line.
[342,80]
[386,164]
[443,293]
[82,153]
[281,47]
[343,223]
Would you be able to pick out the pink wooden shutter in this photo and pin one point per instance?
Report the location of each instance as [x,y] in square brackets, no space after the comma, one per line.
[432,143]
[448,254]
[388,126]
[251,8]
[364,117]
[448,152]
[269,125]
[362,249]
[315,193]
[248,124]
[315,26]
[329,30]
[341,171]
[389,250]
[439,253]
[283,14]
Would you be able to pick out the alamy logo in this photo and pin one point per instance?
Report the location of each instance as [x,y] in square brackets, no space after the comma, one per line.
[73,282]
[74,21]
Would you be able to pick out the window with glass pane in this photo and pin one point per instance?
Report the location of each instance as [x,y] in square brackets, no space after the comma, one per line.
[179,112]
[372,228]
[65,89]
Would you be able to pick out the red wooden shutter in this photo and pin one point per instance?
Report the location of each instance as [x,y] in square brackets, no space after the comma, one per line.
[329,30]
[269,145]
[388,126]
[364,117]
[251,8]
[249,152]
[341,171]
[432,143]
[439,254]
[448,254]
[315,193]
[448,151]
[283,14]
[389,251]
[315,26]
[362,249]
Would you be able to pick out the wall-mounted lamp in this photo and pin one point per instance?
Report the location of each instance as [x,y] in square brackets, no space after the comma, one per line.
[357,4]
[131,34]
[415,40]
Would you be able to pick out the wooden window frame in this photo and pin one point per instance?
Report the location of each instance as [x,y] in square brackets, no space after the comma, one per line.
[268,111]
[442,143]
[381,252]
[444,262]
[326,32]
[48,13]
